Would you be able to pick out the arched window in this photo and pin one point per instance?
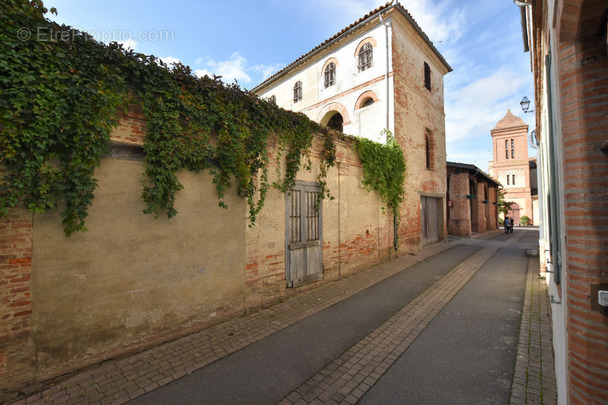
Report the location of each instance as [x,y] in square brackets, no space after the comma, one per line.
[330,75]
[336,122]
[366,57]
[297,92]
[367,102]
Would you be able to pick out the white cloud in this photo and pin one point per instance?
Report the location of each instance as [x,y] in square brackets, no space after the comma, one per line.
[480,104]
[268,70]
[202,72]
[233,69]
[170,60]
[442,21]
[128,44]
[236,69]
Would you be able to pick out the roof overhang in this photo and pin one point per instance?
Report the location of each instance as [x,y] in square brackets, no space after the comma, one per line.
[474,171]
[372,17]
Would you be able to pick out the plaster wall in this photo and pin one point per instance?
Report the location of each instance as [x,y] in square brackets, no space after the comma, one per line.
[131,274]
[317,100]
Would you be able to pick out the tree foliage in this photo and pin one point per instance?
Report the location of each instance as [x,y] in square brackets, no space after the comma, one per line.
[503,206]
[61,90]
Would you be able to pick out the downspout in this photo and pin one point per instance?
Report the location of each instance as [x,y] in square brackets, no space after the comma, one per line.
[532,140]
[387,25]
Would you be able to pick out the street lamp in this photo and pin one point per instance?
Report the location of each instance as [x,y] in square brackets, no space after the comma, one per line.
[525,105]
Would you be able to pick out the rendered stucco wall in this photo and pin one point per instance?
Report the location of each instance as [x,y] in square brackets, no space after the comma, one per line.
[131,275]
[318,101]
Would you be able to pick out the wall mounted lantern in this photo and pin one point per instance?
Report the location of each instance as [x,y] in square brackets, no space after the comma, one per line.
[525,105]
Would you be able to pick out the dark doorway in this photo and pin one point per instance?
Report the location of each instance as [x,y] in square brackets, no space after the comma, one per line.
[335,122]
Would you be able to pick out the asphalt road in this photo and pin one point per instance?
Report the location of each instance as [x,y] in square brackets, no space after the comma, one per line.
[466,355]
[266,371]
[468,352]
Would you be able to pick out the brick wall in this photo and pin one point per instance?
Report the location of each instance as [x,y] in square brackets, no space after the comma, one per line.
[15,296]
[460,219]
[583,67]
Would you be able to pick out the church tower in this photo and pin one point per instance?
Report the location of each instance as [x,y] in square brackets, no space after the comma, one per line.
[512,166]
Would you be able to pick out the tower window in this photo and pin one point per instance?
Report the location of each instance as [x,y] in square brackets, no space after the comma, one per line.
[330,75]
[365,57]
[427,76]
[430,150]
[297,92]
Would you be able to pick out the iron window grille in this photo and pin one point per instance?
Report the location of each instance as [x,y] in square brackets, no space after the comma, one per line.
[366,57]
[297,92]
[330,75]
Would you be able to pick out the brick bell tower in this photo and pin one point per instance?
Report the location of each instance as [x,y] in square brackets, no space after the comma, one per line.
[511,164]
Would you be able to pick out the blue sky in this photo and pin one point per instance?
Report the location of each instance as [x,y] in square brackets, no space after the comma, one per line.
[248,40]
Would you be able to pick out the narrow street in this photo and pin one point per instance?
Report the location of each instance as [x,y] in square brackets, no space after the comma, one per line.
[441,326]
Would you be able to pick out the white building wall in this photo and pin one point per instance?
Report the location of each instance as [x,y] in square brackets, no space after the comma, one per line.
[367,122]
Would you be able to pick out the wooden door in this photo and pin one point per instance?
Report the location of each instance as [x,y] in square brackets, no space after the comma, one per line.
[304,234]
[429,219]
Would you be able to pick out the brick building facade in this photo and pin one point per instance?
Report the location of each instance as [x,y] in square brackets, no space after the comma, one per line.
[132,280]
[512,167]
[472,200]
[567,43]
[381,72]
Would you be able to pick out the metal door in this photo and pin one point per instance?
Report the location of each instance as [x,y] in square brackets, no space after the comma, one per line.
[303,236]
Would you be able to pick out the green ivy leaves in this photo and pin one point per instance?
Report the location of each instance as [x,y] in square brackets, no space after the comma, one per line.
[56,113]
[383,169]
[59,97]
[58,107]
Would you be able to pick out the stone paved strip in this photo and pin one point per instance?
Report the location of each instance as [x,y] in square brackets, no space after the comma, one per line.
[534,376]
[349,377]
[119,381]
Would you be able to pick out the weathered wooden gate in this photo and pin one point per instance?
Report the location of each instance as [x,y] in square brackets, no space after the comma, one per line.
[429,219]
[303,234]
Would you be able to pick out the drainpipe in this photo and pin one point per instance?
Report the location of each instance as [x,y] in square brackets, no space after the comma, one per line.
[522,3]
[532,140]
[387,25]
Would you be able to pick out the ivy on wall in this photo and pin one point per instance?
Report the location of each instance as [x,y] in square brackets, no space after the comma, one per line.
[61,89]
[383,170]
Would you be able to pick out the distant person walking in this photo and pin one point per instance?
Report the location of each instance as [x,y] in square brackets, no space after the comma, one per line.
[507,224]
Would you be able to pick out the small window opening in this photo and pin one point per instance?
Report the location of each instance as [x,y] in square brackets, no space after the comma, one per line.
[428,152]
[297,92]
[365,57]
[330,75]
[427,76]
[367,102]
